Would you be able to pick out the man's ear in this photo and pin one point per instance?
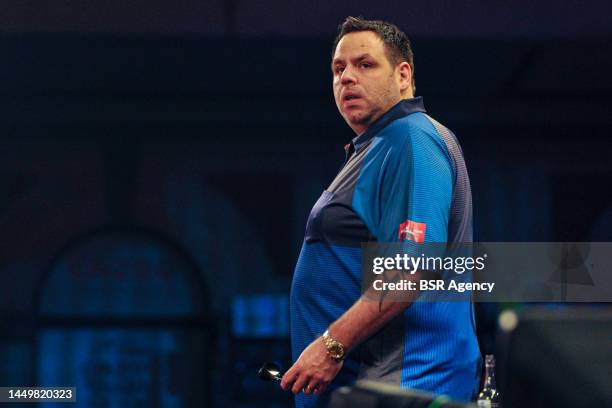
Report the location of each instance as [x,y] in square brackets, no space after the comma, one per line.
[405,76]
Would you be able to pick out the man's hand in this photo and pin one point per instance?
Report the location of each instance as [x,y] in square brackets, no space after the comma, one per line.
[312,371]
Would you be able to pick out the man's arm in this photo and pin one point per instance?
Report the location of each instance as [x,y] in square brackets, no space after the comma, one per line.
[315,369]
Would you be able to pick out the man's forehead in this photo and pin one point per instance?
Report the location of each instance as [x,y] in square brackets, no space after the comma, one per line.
[359,42]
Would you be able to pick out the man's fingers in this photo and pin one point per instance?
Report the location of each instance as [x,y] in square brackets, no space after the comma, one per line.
[320,389]
[300,383]
[311,387]
[288,378]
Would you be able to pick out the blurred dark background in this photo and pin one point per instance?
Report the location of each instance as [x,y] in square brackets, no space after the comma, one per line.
[158,161]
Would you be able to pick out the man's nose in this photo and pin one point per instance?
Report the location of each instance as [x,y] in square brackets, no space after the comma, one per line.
[348,76]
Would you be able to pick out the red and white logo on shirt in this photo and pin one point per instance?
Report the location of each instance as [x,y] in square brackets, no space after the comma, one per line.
[412,231]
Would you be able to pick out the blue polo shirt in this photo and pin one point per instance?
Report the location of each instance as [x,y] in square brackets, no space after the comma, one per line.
[404,179]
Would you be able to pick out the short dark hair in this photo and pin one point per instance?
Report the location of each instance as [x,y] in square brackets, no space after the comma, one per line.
[397,44]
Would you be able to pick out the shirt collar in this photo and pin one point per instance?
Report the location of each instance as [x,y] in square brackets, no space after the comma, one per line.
[403,108]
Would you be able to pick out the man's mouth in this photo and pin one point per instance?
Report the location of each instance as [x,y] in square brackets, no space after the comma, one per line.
[350,97]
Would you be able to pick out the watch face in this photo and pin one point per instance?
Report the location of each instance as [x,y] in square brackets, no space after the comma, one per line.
[336,350]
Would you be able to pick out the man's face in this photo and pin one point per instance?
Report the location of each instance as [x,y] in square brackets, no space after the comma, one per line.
[365,83]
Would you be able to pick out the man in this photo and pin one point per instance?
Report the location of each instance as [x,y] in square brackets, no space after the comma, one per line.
[404,179]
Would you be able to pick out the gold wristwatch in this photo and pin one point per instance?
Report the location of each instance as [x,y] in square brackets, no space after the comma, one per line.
[335,349]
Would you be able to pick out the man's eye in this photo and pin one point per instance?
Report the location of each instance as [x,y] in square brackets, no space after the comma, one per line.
[366,65]
[339,70]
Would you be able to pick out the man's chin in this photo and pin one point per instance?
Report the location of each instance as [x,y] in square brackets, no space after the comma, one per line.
[358,119]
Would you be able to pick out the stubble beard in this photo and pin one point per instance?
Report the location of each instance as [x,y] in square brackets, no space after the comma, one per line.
[362,119]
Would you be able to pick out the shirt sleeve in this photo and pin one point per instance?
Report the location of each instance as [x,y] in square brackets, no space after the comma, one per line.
[405,190]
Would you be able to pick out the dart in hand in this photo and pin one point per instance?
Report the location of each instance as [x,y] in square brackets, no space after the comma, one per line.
[270,372]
